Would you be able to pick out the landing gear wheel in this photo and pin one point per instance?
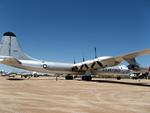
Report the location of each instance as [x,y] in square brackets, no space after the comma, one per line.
[68,77]
[118,78]
[86,78]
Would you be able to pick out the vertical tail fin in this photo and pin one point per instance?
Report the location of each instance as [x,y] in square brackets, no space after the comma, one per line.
[9,46]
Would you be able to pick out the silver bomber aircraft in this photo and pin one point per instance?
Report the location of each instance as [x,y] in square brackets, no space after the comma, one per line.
[11,54]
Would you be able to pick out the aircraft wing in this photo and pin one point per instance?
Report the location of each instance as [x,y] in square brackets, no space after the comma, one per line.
[132,55]
[108,61]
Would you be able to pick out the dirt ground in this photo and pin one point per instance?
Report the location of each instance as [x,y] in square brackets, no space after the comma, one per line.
[46,95]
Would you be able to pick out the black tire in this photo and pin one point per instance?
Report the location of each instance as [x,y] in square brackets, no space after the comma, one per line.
[118,78]
[36,75]
[69,77]
[86,78]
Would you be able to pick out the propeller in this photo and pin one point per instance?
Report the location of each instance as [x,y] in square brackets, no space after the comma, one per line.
[74,61]
[95,52]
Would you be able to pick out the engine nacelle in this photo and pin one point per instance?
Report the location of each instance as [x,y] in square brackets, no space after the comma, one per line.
[133,67]
[75,68]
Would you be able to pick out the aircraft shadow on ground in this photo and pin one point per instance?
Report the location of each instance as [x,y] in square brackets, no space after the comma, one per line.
[19,79]
[45,79]
[122,82]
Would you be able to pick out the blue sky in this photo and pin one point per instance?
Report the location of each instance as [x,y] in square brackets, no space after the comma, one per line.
[61,30]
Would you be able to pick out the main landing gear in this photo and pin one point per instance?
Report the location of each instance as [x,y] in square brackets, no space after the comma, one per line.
[86,78]
[69,77]
[118,78]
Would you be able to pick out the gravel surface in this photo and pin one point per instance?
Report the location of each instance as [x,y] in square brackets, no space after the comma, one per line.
[46,95]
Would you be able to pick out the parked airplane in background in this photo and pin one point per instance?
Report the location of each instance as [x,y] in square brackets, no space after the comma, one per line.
[11,54]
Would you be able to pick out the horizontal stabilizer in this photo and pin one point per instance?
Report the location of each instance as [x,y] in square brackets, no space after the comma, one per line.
[10,61]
